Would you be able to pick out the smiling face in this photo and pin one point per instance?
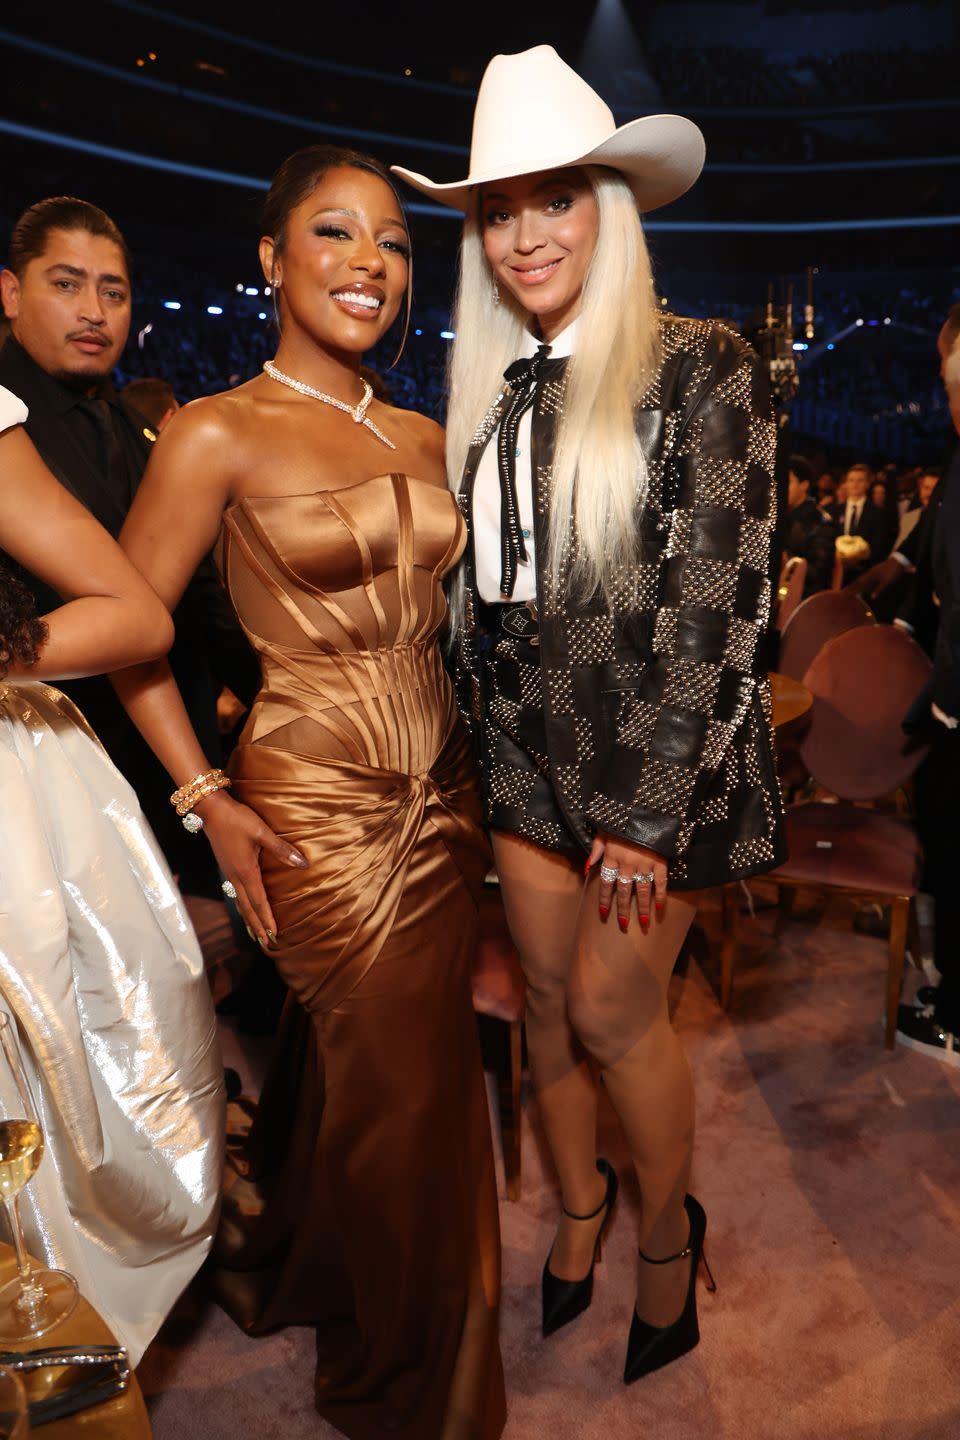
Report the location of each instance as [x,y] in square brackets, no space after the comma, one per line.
[70,308]
[539,235]
[342,266]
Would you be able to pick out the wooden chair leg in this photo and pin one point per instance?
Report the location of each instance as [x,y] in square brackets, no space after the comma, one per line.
[899,922]
[785,900]
[728,945]
[509,1078]
[914,940]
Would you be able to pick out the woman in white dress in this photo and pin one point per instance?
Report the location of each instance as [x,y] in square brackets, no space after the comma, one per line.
[99,965]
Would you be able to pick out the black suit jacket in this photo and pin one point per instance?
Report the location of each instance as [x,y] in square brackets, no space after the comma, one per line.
[657,706]
[945,569]
[917,607]
[71,447]
[877,527]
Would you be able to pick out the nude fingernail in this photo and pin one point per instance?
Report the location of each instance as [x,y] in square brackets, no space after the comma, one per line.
[250,933]
[271,937]
[295,858]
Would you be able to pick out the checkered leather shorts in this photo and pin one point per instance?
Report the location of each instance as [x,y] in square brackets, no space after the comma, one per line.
[517,789]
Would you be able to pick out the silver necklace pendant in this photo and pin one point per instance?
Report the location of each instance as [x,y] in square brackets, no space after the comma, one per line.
[358,413]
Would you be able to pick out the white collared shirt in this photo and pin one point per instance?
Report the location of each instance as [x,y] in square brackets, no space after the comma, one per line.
[486,495]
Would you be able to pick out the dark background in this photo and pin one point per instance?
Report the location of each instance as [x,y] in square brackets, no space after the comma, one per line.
[831,141]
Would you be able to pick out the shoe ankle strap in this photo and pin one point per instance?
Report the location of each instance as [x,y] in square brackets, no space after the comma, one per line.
[680,1255]
[605,1201]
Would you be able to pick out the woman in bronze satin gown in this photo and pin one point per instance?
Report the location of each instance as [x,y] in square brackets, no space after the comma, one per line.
[352,835]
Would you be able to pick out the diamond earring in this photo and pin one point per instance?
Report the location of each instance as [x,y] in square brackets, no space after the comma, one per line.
[496,291]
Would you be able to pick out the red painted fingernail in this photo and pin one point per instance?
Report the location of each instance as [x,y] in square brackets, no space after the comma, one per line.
[644,923]
[604,911]
[659,906]
[586,868]
[622,922]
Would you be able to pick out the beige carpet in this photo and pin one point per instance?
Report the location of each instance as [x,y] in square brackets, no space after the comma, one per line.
[830,1172]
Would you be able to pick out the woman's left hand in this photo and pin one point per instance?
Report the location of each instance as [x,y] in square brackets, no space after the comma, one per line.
[637,869]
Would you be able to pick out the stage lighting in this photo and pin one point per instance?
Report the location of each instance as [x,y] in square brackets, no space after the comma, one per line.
[214,309]
[251,290]
[171,304]
[447,335]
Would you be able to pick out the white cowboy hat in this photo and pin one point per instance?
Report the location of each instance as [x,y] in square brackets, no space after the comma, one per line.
[534,113]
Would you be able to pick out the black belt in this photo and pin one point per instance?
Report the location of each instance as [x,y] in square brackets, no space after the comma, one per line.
[519,621]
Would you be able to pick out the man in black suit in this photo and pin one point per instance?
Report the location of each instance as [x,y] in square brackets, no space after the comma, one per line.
[933,1025]
[859,516]
[66,294]
[809,532]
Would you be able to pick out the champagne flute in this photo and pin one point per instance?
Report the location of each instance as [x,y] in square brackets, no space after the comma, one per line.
[14,1415]
[38,1298]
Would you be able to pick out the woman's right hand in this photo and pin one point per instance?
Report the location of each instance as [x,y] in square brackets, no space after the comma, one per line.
[238,835]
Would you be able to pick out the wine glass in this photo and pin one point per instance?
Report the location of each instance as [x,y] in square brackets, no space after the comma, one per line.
[14,1421]
[38,1298]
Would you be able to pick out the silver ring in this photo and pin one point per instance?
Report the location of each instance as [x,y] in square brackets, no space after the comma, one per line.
[647,879]
[608,873]
[229,889]
[624,880]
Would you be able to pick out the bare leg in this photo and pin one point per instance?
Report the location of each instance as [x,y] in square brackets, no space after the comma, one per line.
[541,895]
[617,997]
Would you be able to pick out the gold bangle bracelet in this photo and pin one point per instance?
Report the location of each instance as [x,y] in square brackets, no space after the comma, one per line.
[188,795]
[200,793]
[183,790]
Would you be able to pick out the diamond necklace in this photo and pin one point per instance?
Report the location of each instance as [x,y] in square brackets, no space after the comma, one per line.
[358,413]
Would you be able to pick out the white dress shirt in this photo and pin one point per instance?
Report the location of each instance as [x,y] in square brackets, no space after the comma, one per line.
[486,495]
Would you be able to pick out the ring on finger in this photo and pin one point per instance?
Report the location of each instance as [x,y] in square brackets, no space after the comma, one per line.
[229,889]
[609,873]
[647,879]
[624,880]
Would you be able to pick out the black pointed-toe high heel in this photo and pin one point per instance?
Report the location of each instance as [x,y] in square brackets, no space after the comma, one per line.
[652,1346]
[564,1300]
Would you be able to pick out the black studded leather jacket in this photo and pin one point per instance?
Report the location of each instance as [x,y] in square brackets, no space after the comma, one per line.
[658,708]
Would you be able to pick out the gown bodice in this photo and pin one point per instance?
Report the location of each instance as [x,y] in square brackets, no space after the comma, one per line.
[340,592]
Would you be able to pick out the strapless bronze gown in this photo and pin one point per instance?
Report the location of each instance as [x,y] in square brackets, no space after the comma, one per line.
[369,1209]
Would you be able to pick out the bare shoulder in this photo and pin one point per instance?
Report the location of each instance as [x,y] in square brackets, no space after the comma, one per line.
[423,444]
[208,421]
[206,436]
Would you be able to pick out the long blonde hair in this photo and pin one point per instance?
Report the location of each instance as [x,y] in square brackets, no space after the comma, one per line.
[599,478]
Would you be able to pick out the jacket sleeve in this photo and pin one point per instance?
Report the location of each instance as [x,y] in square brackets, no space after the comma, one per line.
[670,735]
[820,551]
[945,691]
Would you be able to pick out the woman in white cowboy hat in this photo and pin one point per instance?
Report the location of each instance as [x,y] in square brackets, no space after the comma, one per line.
[615,468]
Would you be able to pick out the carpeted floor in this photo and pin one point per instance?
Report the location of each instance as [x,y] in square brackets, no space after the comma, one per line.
[830,1171]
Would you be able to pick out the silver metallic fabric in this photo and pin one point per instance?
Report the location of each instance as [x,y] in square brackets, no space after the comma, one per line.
[101,969]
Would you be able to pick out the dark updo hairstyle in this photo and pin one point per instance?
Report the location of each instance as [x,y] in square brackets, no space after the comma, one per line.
[21,632]
[59,212]
[298,177]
